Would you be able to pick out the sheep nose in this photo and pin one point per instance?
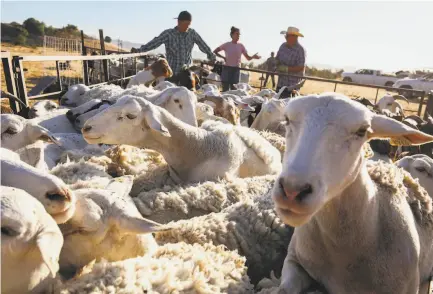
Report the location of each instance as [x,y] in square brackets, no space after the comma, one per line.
[87,129]
[70,115]
[292,191]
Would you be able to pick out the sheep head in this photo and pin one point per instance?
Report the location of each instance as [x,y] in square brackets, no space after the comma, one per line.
[131,121]
[75,95]
[324,138]
[420,166]
[160,68]
[17,132]
[55,196]
[42,107]
[31,243]
[225,108]
[106,224]
[388,102]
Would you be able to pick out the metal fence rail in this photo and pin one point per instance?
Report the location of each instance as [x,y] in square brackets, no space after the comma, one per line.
[419,93]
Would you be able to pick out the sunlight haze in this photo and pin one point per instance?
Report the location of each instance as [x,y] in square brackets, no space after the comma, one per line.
[380,35]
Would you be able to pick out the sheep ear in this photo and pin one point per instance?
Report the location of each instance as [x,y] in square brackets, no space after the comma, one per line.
[50,257]
[45,135]
[399,134]
[153,122]
[137,225]
[121,185]
[164,96]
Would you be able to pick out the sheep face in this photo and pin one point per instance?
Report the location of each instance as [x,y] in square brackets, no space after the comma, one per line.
[31,243]
[272,112]
[16,132]
[324,138]
[160,68]
[80,114]
[42,107]
[55,196]
[225,108]
[74,96]
[106,225]
[114,124]
[420,166]
[388,102]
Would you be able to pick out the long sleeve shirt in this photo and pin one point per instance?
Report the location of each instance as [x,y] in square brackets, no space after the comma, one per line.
[178,47]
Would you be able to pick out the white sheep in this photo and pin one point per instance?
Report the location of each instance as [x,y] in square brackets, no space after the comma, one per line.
[55,196]
[268,93]
[159,69]
[243,86]
[106,224]
[225,108]
[55,121]
[362,218]
[174,268]
[420,166]
[193,154]
[17,132]
[177,100]
[41,108]
[30,243]
[271,116]
[80,94]
[213,78]
[389,104]
[163,85]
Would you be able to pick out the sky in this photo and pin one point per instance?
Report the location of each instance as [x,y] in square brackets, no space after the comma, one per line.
[379,35]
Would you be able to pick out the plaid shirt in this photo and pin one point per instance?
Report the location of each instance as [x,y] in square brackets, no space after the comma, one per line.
[178,47]
[291,56]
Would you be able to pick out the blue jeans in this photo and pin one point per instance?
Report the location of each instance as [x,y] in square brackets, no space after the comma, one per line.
[229,77]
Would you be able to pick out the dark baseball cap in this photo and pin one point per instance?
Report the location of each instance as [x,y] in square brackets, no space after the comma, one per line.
[184,15]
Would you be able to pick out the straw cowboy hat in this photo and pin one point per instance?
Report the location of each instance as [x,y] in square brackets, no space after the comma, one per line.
[292,31]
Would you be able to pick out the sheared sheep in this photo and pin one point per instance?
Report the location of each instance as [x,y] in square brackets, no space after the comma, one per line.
[54,195]
[17,132]
[367,220]
[172,203]
[420,167]
[193,154]
[80,94]
[55,121]
[271,116]
[106,224]
[30,243]
[174,268]
[163,85]
[224,108]
[389,103]
[41,108]
[159,68]
[251,227]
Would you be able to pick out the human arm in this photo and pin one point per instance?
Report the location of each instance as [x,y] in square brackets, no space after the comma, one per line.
[155,42]
[203,46]
[247,56]
[217,50]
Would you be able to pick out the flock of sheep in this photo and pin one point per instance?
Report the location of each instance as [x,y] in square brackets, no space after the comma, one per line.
[165,189]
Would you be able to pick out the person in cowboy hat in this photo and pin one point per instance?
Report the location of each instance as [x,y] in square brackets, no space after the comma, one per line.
[291,59]
[179,42]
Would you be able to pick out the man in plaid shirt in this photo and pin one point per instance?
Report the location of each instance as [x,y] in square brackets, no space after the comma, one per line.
[179,42]
[290,59]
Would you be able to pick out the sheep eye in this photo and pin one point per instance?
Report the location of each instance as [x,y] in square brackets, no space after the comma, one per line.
[11,131]
[8,232]
[131,116]
[421,169]
[361,132]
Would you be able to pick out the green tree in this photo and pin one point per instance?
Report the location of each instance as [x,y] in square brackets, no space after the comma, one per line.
[107,39]
[34,26]
[21,39]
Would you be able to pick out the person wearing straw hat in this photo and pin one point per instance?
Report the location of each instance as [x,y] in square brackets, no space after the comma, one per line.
[179,42]
[291,59]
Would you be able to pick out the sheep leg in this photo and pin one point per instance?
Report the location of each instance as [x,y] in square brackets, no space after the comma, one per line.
[294,279]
